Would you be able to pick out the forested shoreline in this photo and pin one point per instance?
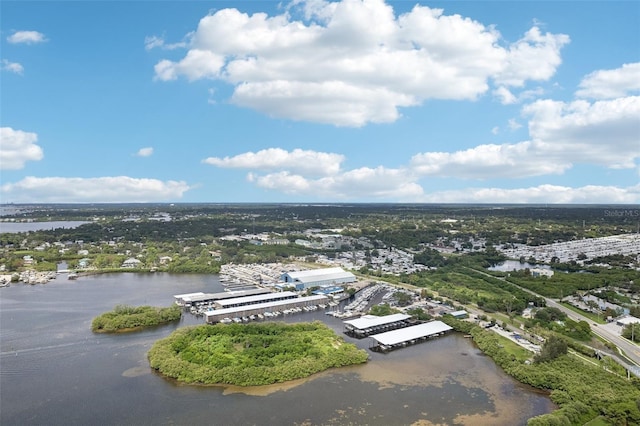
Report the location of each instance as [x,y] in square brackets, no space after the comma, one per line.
[582,391]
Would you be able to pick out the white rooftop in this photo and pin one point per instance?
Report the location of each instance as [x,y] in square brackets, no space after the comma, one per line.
[182,296]
[225,295]
[394,337]
[266,305]
[318,274]
[367,321]
[628,320]
[247,300]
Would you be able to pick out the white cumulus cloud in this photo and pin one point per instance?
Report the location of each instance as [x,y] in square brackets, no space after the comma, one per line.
[355,62]
[365,183]
[505,96]
[609,84]
[13,67]
[26,37]
[605,133]
[488,162]
[145,152]
[534,57]
[114,189]
[299,161]
[153,42]
[589,194]
[561,134]
[196,65]
[17,147]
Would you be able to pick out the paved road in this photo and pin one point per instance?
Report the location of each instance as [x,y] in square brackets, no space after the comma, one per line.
[630,350]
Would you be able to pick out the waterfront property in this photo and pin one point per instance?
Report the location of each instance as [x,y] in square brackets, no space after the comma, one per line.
[200,298]
[400,338]
[318,278]
[212,317]
[254,300]
[367,325]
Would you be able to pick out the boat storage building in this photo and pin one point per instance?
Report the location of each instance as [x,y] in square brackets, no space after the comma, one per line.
[318,278]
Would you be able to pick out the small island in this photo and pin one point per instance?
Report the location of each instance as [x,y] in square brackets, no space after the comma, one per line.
[130,318]
[251,354]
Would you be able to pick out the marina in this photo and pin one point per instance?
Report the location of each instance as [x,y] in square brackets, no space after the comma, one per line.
[200,299]
[403,337]
[367,325]
[266,309]
[50,355]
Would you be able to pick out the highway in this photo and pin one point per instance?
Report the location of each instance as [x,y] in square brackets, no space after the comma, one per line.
[631,351]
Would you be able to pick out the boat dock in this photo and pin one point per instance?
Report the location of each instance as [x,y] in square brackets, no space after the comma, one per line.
[368,325]
[412,335]
[200,299]
[265,309]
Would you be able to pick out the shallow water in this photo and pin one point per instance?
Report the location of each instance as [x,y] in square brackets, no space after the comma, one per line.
[54,370]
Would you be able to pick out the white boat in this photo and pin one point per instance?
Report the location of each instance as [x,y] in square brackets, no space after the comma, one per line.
[72,276]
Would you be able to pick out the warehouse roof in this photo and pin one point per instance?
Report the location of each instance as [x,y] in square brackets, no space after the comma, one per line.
[368,321]
[265,305]
[258,298]
[324,274]
[406,334]
[225,295]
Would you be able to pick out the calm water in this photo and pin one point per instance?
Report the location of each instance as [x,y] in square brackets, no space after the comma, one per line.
[53,370]
[15,227]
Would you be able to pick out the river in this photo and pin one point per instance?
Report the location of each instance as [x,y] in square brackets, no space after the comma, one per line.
[55,371]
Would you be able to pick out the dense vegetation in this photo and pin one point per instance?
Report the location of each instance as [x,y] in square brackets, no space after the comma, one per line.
[465,285]
[251,354]
[125,317]
[561,284]
[583,391]
[554,319]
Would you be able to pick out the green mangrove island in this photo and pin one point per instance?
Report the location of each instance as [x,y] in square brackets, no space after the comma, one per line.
[129,318]
[251,354]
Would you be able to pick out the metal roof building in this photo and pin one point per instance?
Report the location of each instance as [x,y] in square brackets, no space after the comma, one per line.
[252,300]
[319,277]
[212,317]
[408,335]
[367,325]
[201,298]
[460,314]
[180,298]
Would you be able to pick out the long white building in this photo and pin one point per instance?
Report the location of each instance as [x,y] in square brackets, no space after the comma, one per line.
[318,277]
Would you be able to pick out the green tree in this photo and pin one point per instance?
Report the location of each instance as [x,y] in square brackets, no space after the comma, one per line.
[631,332]
[551,349]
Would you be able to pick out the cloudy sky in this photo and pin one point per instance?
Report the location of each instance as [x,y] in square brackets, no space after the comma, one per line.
[320,101]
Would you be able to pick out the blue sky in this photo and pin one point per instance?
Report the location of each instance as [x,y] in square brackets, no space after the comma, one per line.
[316,101]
